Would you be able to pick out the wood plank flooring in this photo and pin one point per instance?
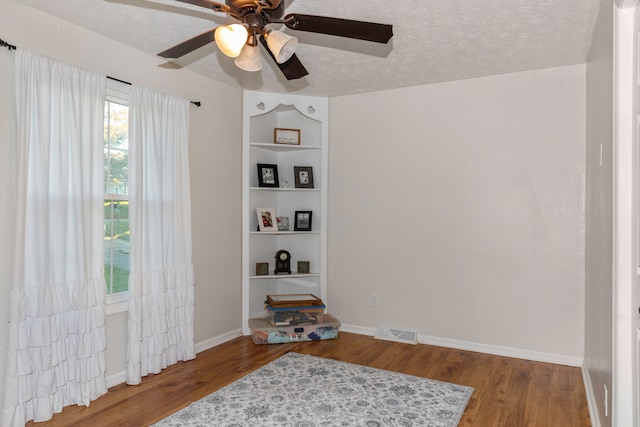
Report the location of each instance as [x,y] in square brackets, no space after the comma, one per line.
[508,392]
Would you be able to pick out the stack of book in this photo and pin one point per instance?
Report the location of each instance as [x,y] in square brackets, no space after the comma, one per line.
[294,309]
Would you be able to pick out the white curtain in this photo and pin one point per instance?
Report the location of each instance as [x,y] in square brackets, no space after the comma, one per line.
[56,346]
[161,282]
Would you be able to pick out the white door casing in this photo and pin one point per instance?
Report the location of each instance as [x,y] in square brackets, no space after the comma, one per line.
[626,358]
[635,208]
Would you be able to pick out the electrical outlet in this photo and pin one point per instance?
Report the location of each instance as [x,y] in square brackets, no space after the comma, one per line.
[606,401]
[374,300]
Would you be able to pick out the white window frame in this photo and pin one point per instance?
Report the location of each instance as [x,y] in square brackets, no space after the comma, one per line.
[117,92]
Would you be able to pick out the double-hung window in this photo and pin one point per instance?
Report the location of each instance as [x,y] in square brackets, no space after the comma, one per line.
[116,194]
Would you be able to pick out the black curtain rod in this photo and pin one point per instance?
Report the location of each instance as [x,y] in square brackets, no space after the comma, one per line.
[196,103]
[7,45]
[12,47]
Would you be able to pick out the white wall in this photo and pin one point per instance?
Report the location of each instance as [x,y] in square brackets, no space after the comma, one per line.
[461,205]
[215,152]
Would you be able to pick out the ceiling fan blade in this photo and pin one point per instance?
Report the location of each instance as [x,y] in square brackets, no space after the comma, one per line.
[292,69]
[371,31]
[190,45]
[218,7]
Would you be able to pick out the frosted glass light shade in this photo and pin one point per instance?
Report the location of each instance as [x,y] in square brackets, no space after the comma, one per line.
[282,45]
[249,58]
[231,38]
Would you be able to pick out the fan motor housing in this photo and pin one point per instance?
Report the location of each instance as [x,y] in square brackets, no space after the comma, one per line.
[243,7]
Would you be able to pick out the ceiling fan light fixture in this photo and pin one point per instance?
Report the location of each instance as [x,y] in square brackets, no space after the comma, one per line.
[255,16]
[249,58]
[282,45]
[231,39]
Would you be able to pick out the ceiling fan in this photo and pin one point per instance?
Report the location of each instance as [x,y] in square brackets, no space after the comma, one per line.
[240,41]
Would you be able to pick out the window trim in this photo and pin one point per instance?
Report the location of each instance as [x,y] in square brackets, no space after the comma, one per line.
[117,303]
[117,92]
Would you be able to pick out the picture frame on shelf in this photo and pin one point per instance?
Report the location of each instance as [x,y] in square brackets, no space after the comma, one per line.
[267,219]
[302,221]
[268,175]
[303,176]
[283,223]
[303,267]
[262,268]
[286,136]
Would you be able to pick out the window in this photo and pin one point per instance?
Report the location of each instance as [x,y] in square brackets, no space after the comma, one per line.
[116,196]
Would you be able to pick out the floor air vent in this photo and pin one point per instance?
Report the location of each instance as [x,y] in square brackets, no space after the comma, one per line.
[399,335]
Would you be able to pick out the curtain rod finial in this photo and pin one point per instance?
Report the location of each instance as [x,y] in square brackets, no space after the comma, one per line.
[7,45]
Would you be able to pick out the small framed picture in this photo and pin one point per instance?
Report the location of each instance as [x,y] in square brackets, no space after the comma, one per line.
[262,268]
[267,219]
[268,175]
[303,267]
[283,223]
[304,176]
[302,221]
[286,136]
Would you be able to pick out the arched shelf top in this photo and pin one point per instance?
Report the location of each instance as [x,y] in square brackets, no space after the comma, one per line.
[290,108]
[260,103]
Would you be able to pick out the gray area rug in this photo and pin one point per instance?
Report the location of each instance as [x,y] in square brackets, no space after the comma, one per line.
[298,390]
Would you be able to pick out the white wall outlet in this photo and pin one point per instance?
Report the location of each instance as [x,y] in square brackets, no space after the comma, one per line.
[374,300]
[606,401]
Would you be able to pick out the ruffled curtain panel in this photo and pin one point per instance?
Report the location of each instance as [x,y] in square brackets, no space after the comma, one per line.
[56,347]
[161,282]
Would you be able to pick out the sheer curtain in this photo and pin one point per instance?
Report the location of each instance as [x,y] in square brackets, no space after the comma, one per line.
[161,282]
[56,348]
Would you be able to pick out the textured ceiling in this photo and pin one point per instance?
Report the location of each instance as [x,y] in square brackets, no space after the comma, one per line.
[434,40]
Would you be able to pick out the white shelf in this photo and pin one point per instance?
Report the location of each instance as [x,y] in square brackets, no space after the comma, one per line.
[285,276]
[282,147]
[281,233]
[283,189]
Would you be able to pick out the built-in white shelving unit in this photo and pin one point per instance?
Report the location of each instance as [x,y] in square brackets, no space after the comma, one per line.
[262,113]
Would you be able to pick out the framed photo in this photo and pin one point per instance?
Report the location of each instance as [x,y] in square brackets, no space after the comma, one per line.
[303,267]
[304,176]
[268,175]
[286,136]
[302,221]
[262,268]
[267,219]
[283,223]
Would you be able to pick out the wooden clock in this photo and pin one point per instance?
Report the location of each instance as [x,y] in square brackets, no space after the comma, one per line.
[283,262]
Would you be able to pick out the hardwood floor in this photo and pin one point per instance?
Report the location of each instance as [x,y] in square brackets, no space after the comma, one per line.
[508,392]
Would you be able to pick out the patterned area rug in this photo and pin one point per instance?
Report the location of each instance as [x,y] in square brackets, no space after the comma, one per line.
[298,390]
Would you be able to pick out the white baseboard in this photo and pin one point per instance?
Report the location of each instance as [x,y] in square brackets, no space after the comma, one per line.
[591,398]
[361,330]
[558,359]
[121,377]
[116,379]
[220,339]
